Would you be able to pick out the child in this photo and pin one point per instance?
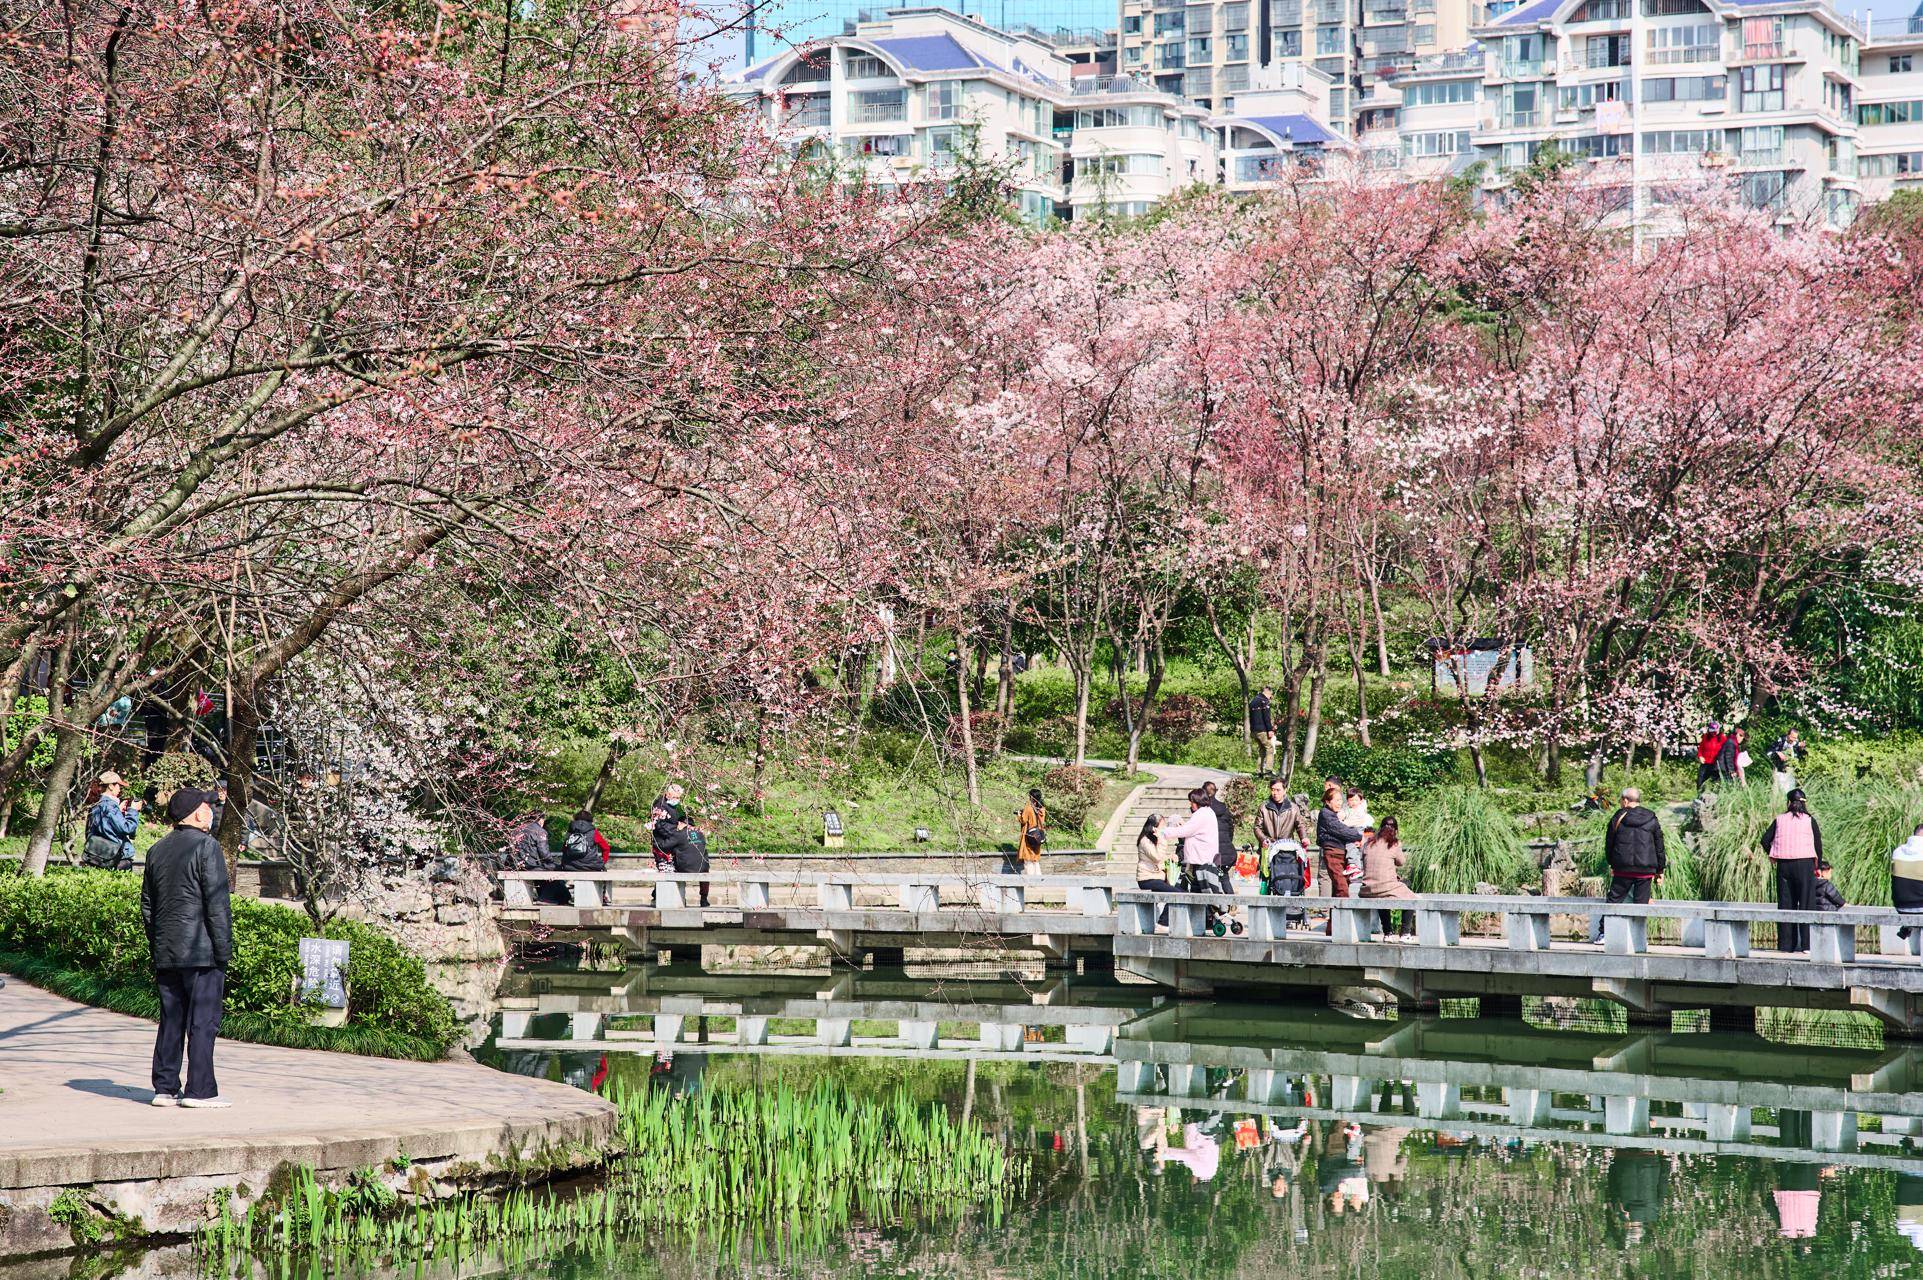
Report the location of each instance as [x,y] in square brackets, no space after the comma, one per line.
[1828,896]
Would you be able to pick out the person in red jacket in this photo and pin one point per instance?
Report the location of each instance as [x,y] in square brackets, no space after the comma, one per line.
[1707,750]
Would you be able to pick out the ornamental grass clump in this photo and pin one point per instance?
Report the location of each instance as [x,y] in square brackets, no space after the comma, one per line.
[1861,820]
[1460,838]
[792,1166]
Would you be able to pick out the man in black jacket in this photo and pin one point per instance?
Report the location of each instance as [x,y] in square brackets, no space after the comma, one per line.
[1262,727]
[1633,844]
[190,937]
[1225,823]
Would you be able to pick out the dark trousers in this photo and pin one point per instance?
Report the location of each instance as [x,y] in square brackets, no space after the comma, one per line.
[1623,889]
[1795,891]
[1388,920]
[189,1015]
[1158,886]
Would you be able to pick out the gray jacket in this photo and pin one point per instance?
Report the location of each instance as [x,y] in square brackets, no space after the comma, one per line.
[183,902]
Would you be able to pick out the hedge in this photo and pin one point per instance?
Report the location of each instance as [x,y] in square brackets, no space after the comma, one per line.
[78,933]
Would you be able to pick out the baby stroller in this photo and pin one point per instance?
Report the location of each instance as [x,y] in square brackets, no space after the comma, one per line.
[1285,874]
[1212,879]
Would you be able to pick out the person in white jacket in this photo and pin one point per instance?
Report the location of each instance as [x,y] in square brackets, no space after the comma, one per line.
[1200,832]
[1906,878]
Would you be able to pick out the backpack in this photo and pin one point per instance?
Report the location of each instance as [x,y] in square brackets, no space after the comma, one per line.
[579,847]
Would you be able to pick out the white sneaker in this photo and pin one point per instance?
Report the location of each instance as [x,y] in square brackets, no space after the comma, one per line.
[206,1104]
[165,1100]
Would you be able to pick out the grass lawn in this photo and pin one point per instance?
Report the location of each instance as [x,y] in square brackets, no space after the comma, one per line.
[880,803]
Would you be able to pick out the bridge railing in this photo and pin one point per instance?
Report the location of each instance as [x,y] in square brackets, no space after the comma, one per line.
[1721,930]
[919,892]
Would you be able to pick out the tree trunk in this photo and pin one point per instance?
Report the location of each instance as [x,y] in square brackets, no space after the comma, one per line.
[1356,641]
[961,706]
[6,816]
[1084,680]
[1318,680]
[53,801]
[1240,659]
[887,675]
[1381,628]
[605,773]
[1005,679]
[1482,766]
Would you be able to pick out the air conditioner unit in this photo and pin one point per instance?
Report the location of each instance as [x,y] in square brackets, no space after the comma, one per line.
[902,162]
[1568,117]
[1713,108]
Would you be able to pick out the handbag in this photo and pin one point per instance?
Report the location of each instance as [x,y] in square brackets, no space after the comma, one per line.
[1742,760]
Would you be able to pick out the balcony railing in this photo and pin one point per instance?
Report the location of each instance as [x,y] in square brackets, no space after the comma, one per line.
[1521,119]
[1770,49]
[1775,158]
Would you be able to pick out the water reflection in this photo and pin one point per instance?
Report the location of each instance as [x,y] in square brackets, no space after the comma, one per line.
[1215,1139]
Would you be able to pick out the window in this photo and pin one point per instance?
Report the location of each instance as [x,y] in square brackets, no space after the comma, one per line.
[1682,142]
[1601,11]
[1522,55]
[1122,166]
[807,111]
[1288,44]
[1765,190]
[1419,146]
[944,100]
[1842,157]
[1584,97]
[943,144]
[1672,8]
[877,106]
[1171,54]
[1133,53]
[878,144]
[1132,25]
[1841,205]
[1201,50]
[1201,81]
[1685,44]
[1895,164]
[1517,155]
[1235,17]
[1762,37]
[865,66]
[1607,51]
[1201,20]
[1594,146]
[1839,98]
[1233,78]
[1519,106]
[1687,88]
[1237,47]
[1890,112]
[1119,118]
[1900,63]
[1425,33]
[1840,49]
[1761,88]
[1328,40]
[1436,93]
[1762,144]
[1167,23]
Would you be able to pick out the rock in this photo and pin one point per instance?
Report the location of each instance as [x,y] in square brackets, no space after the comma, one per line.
[454,913]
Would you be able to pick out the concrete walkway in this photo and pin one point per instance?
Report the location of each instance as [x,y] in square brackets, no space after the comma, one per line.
[73,1112]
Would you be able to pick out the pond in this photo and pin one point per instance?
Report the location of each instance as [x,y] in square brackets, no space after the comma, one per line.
[1200,1139]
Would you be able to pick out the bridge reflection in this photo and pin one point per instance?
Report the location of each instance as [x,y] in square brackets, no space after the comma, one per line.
[1497,1080]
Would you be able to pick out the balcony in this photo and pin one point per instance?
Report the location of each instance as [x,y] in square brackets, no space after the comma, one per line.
[1327,12]
[1773,50]
[1775,158]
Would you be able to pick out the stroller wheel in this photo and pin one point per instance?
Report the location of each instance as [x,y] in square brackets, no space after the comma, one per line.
[1217,929]
[1236,927]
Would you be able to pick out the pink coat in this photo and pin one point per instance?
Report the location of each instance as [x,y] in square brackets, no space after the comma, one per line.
[1795,837]
[1201,836]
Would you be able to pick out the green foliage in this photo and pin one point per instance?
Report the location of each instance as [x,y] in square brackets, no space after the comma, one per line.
[1397,772]
[81,932]
[1070,792]
[28,711]
[1460,837]
[912,705]
[174,770]
[1180,718]
[808,1164]
[1861,821]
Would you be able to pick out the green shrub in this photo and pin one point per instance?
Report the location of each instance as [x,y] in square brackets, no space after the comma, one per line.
[1380,771]
[88,923]
[912,705]
[1459,838]
[1070,792]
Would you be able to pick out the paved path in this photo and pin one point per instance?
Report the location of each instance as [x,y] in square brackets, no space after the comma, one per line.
[73,1111]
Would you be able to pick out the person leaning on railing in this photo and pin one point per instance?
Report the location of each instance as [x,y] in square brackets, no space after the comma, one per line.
[1795,844]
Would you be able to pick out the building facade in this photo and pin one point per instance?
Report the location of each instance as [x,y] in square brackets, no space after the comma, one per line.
[911,99]
[774,26]
[1889,110]
[1761,93]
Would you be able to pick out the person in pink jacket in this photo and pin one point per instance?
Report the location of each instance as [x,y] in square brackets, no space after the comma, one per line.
[1200,833]
[1794,843]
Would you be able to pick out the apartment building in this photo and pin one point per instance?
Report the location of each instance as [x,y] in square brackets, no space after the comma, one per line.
[773,26]
[1889,109]
[1762,93]
[1436,112]
[1211,51]
[906,100]
[1280,128]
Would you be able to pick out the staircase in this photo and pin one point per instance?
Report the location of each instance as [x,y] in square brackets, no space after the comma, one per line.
[1161,797]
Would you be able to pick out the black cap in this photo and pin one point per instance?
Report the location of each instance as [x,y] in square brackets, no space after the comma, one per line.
[184,801]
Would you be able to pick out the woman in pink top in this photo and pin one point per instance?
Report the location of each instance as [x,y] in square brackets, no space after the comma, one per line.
[1794,842]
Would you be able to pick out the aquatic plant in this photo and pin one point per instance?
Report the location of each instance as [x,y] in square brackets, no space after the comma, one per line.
[1460,838]
[799,1165]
